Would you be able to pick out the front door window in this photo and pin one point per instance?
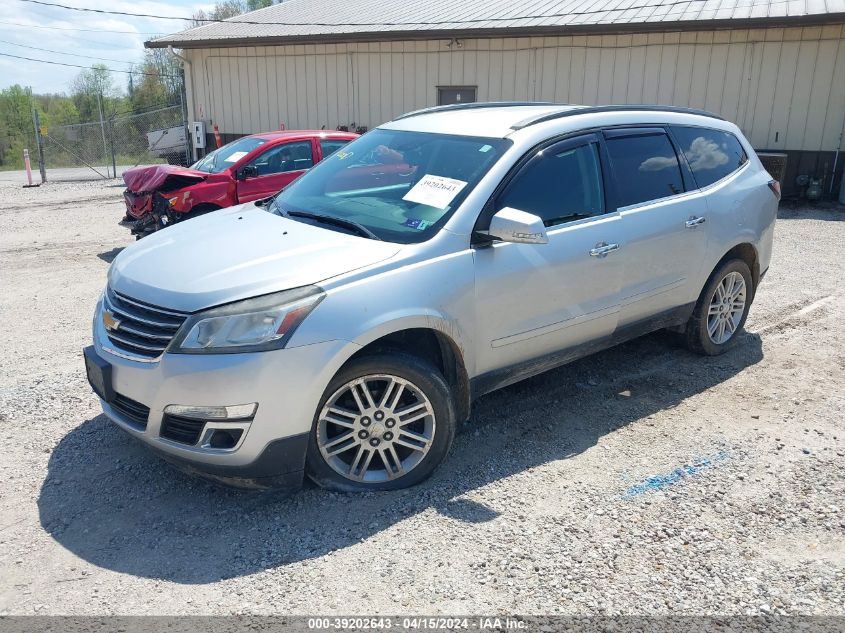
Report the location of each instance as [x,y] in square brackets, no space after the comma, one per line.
[280,159]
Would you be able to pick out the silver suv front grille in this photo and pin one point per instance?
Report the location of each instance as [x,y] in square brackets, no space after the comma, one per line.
[139,328]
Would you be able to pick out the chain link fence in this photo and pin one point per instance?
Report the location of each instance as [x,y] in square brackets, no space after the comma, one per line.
[106,148]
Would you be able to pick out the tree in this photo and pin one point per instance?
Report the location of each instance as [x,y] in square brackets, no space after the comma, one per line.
[16,129]
[90,84]
[225,9]
[56,109]
[255,5]
[156,82]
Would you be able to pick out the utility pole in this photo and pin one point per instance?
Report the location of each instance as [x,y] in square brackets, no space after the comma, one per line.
[40,143]
[103,130]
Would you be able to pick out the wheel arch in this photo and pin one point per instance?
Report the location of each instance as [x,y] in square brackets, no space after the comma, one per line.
[747,252]
[428,338]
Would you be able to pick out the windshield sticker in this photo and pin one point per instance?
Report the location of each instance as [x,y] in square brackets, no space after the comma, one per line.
[234,156]
[419,225]
[343,155]
[435,191]
[485,148]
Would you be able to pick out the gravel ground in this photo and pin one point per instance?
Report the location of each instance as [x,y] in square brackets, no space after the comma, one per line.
[643,480]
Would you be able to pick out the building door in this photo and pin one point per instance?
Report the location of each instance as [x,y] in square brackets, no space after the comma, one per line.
[448,95]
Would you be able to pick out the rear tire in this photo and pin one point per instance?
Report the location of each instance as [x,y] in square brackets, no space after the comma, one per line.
[385,422]
[721,309]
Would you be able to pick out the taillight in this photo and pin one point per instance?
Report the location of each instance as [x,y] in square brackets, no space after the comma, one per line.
[774,185]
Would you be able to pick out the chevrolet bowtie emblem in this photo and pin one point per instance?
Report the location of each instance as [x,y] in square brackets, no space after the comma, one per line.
[109,321]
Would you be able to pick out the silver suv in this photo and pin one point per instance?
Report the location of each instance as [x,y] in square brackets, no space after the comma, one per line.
[342,328]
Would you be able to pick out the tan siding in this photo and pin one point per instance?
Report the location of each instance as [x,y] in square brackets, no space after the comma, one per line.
[834,119]
[800,106]
[784,87]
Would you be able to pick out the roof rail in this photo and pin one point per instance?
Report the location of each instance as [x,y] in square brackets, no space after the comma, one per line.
[472,106]
[609,108]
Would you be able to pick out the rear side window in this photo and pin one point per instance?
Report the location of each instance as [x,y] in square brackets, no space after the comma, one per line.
[711,154]
[559,186]
[645,167]
[330,146]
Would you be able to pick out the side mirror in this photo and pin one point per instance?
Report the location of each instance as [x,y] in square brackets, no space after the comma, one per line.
[513,225]
[247,171]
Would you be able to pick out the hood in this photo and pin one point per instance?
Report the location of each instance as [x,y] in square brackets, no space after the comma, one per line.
[161,178]
[236,253]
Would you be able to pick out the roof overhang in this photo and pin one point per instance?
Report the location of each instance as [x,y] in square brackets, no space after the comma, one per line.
[528,31]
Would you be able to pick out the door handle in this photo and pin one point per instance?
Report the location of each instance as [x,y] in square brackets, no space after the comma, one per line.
[602,249]
[694,221]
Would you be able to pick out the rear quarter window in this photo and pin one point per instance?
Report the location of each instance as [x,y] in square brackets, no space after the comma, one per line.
[711,154]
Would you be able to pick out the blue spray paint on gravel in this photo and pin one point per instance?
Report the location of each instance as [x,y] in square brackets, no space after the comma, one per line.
[662,481]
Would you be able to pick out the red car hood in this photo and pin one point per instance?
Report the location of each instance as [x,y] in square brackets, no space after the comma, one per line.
[161,178]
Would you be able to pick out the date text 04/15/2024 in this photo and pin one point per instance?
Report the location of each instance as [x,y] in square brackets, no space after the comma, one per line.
[419,623]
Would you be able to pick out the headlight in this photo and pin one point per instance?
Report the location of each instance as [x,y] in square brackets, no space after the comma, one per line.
[254,325]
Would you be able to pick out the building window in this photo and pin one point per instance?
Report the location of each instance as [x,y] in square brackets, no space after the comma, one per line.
[447,95]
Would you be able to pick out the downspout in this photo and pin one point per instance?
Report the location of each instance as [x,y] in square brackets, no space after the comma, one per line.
[188,98]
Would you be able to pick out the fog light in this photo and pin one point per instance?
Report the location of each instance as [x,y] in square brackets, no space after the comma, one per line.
[225,439]
[233,412]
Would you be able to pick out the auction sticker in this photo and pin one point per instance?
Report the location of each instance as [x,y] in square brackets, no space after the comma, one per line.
[234,156]
[435,191]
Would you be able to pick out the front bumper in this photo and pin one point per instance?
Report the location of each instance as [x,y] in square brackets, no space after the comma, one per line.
[287,384]
[280,466]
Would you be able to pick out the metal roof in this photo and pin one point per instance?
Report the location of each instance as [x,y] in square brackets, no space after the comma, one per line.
[342,20]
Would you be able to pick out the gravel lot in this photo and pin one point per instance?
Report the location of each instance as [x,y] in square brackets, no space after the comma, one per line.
[643,480]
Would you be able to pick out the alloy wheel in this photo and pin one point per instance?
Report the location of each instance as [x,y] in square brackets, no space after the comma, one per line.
[727,305]
[376,428]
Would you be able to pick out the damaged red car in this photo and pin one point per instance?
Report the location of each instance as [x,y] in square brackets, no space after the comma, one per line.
[250,168]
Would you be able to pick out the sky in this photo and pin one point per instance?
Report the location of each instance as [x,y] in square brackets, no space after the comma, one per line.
[120,49]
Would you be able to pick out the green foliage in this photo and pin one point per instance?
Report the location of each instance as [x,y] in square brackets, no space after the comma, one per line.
[16,128]
[254,5]
[157,81]
[225,9]
[90,87]
[154,84]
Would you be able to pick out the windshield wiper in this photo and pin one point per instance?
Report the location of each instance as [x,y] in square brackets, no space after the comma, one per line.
[360,229]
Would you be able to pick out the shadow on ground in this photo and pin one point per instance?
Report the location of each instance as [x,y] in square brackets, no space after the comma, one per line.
[108,256]
[827,211]
[111,502]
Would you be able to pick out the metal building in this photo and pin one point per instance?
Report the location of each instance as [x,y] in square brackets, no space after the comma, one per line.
[775,67]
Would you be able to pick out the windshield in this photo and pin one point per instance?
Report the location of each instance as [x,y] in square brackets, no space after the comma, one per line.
[401,186]
[228,155]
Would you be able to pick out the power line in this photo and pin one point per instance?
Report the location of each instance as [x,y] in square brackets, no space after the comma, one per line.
[47,50]
[111,70]
[59,28]
[136,15]
[653,5]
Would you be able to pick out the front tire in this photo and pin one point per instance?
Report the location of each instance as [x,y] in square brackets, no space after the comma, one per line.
[385,422]
[721,309]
